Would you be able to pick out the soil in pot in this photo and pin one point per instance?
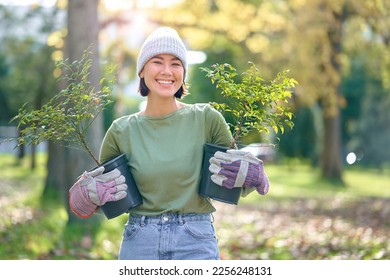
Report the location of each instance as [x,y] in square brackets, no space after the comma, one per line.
[207,187]
[133,198]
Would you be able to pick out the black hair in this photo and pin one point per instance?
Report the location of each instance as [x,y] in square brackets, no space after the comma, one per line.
[144,90]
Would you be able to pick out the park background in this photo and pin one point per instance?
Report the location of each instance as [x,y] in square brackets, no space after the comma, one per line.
[330,174]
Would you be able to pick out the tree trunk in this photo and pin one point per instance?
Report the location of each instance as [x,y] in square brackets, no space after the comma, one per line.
[33,162]
[331,161]
[55,177]
[66,164]
[83,29]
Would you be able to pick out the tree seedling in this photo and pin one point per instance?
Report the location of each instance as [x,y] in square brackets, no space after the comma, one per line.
[68,115]
[253,103]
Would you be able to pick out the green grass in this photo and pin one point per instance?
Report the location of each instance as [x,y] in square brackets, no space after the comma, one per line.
[26,228]
[306,217]
[302,217]
[30,229]
[303,181]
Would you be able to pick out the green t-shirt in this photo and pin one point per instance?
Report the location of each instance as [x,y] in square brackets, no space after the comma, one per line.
[165,155]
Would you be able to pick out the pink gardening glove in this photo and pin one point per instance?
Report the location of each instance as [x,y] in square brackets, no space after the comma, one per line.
[94,189]
[235,169]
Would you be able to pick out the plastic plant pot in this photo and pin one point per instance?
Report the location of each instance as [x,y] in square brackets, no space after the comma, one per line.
[207,187]
[133,198]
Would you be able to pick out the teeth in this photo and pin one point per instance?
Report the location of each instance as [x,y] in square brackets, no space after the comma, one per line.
[164,82]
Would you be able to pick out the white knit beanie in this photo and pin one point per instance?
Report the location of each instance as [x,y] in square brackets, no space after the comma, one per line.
[163,40]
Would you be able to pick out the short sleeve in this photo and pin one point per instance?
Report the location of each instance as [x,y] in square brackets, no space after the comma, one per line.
[217,130]
[109,148]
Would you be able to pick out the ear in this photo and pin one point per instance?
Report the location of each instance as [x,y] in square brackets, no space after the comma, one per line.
[141,74]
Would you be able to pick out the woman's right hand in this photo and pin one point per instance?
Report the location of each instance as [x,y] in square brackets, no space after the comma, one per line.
[94,189]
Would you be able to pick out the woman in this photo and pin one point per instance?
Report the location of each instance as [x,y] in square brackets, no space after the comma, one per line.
[164,146]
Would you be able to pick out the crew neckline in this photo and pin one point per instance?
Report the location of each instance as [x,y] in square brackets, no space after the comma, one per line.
[165,116]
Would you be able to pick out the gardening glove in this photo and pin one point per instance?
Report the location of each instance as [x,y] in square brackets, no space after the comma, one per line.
[94,189]
[235,169]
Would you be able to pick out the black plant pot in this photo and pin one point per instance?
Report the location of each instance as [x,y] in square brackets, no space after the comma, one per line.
[133,198]
[207,187]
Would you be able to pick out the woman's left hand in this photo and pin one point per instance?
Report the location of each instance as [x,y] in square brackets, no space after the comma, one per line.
[235,169]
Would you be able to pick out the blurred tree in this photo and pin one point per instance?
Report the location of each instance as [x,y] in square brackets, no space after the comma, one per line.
[304,140]
[353,87]
[5,111]
[119,52]
[336,31]
[308,37]
[376,29]
[373,129]
[29,77]
[316,37]
[366,116]
[83,29]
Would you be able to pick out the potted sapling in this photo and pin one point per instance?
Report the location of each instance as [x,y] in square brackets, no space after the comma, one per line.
[255,105]
[67,117]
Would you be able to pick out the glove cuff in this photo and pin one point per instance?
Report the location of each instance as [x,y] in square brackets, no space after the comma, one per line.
[79,202]
[263,186]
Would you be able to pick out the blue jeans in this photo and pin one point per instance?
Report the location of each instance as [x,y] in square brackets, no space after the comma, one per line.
[169,236]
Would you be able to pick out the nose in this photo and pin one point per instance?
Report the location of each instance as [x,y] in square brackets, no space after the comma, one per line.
[166,69]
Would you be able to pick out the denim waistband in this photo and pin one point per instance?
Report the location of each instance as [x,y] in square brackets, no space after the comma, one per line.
[170,218]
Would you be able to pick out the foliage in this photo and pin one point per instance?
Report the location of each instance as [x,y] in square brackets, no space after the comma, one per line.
[4,107]
[302,142]
[28,56]
[69,114]
[254,104]
[372,145]
[366,118]
[317,39]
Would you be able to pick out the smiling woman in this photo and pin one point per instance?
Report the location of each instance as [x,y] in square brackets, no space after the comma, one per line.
[164,145]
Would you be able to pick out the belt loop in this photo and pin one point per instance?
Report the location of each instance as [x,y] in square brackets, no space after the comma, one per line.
[180,217]
[142,223]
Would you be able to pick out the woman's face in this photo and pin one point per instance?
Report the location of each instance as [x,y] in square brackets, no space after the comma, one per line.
[163,74]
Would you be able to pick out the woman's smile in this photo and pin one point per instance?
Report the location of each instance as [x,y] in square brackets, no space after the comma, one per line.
[165,82]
